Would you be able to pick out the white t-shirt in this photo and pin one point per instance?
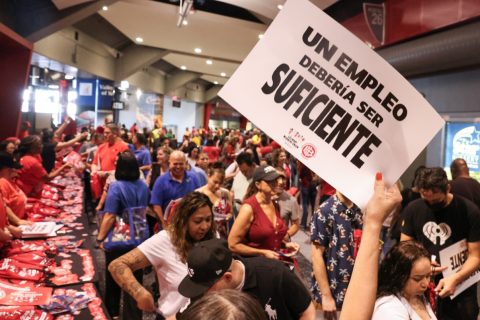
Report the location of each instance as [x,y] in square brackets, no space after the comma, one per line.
[397,308]
[163,256]
[240,186]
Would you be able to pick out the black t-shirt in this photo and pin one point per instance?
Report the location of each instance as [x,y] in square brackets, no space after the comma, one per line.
[280,292]
[436,231]
[468,188]
[48,156]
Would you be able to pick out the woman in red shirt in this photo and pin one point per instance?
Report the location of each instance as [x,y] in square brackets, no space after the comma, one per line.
[258,229]
[279,160]
[13,196]
[32,175]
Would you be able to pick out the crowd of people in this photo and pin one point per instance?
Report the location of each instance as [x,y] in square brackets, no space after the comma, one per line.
[222,207]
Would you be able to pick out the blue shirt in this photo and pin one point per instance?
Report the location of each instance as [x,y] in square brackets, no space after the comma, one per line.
[126,194]
[166,189]
[201,175]
[332,228]
[143,157]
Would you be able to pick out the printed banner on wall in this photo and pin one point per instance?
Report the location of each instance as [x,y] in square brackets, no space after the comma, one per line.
[463,141]
[331,101]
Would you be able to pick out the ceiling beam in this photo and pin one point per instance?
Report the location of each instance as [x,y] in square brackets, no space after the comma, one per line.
[56,22]
[136,58]
[179,79]
[212,93]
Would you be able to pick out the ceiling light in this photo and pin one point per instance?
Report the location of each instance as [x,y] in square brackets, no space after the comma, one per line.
[280,7]
[68,77]
[105,8]
[215,82]
[185,22]
[209,61]
[260,36]
[183,67]
[139,39]
[223,74]
[197,50]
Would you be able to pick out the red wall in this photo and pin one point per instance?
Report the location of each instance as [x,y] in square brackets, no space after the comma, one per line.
[15,55]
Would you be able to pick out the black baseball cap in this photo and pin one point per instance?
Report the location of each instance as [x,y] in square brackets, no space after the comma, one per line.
[265,173]
[206,262]
[6,160]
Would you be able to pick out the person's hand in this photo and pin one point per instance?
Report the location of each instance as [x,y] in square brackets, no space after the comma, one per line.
[446,287]
[437,268]
[84,135]
[382,202]
[16,232]
[5,235]
[329,307]
[67,165]
[22,222]
[145,301]
[292,248]
[270,254]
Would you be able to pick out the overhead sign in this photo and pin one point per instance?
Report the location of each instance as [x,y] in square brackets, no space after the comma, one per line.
[454,257]
[331,101]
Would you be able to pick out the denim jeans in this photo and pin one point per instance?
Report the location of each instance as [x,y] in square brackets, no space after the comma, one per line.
[308,199]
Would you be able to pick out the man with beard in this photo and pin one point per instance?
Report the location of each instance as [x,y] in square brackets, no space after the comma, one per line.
[438,220]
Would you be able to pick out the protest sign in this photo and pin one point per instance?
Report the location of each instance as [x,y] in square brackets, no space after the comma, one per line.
[331,101]
[454,257]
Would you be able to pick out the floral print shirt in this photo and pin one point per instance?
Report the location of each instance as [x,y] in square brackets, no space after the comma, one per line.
[332,228]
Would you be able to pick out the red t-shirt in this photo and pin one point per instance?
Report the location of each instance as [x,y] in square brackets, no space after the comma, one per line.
[213,153]
[3,217]
[262,234]
[106,155]
[30,175]
[14,197]
[327,189]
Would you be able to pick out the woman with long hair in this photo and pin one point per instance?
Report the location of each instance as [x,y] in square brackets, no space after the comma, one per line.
[403,278]
[33,175]
[259,229]
[220,197]
[127,191]
[167,252]
[279,160]
[159,166]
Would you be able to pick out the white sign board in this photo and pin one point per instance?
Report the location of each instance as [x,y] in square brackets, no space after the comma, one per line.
[331,101]
[454,257]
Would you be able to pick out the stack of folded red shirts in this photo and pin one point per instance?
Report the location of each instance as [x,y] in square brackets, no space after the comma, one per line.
[13,269]
[23,313]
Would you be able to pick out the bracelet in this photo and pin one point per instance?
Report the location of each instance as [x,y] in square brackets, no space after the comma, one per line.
[99,241]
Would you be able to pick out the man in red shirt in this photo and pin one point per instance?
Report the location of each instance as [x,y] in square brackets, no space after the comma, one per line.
[104,159]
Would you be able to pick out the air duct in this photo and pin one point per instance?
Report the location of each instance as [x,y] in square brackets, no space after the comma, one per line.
[446,50]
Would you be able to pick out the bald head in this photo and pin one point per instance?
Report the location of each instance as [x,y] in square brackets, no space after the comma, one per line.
[177,164]
[459,168]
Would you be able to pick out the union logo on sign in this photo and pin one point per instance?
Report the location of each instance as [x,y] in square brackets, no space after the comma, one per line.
[309,150]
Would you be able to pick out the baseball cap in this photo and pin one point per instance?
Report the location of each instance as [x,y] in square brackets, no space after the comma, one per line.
[206,262]
[266,173]
[6,160]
